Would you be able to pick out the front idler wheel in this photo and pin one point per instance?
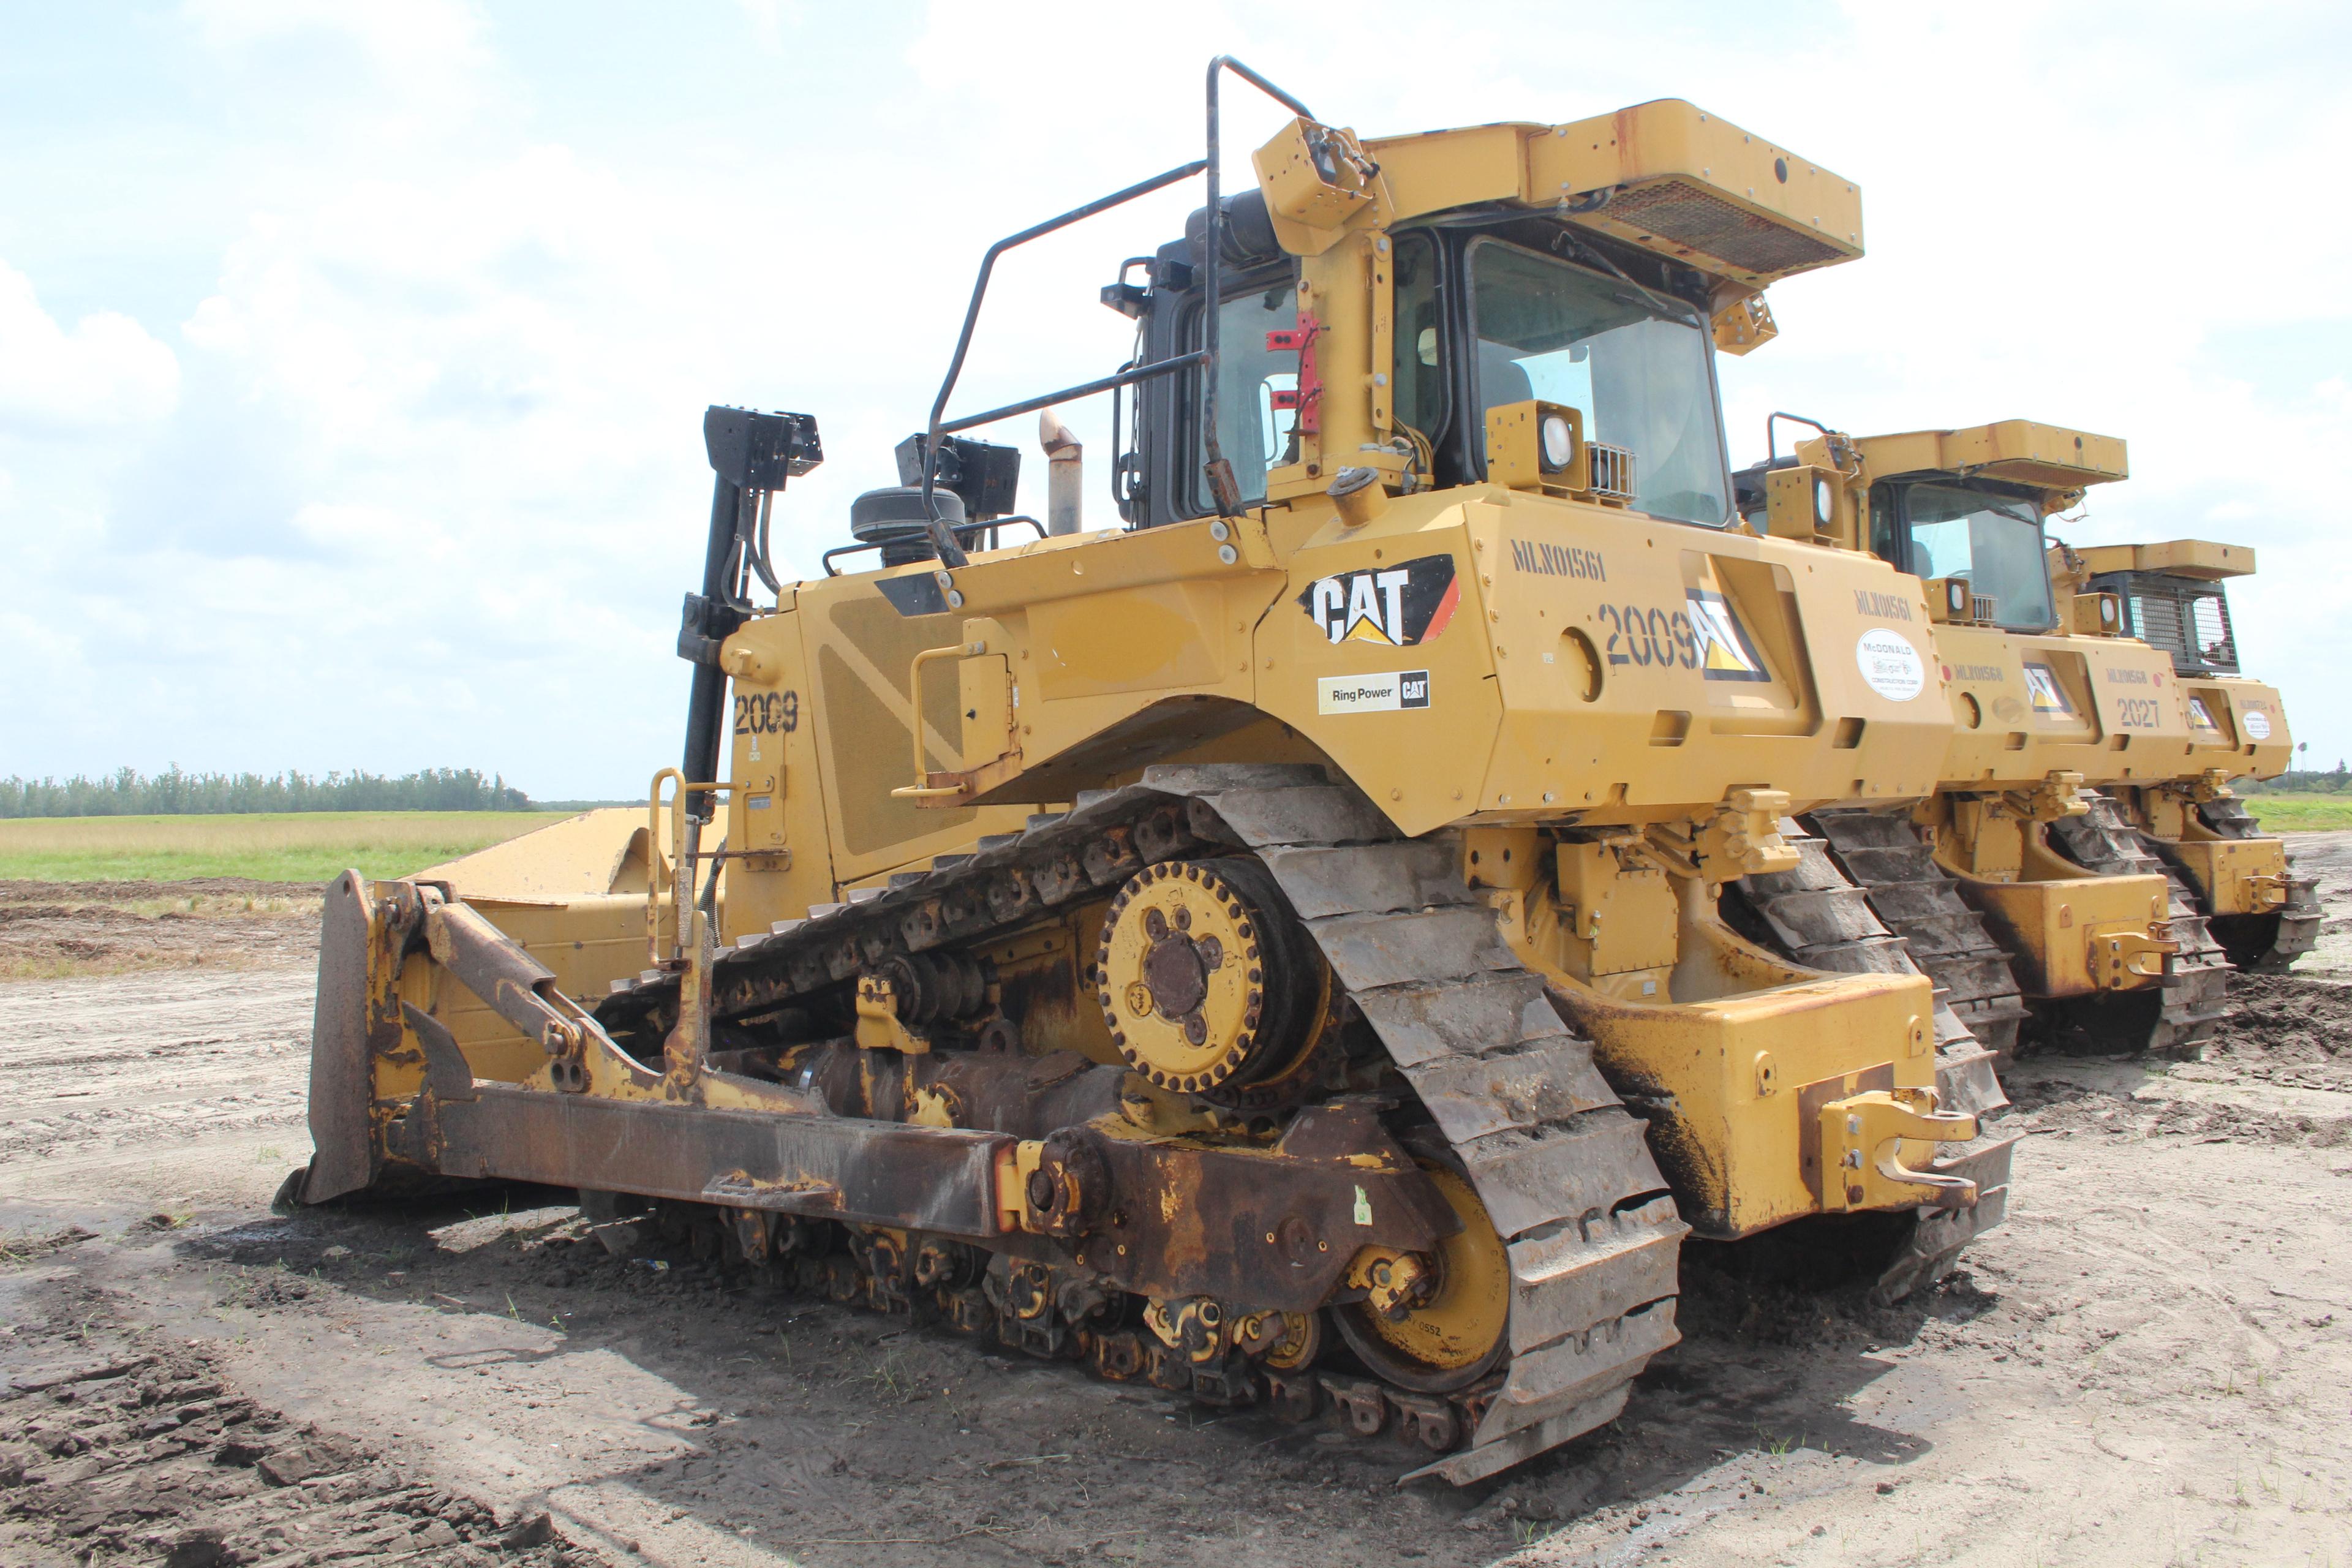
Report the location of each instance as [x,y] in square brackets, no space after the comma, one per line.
[1433,1322]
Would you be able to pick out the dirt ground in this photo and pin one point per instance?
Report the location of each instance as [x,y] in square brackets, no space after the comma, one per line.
[51,930]
[2150,1364]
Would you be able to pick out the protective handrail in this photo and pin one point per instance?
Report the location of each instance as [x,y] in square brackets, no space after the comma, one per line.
[952,554]
[920,789]
[1222,488]
[685,934]
[915,530]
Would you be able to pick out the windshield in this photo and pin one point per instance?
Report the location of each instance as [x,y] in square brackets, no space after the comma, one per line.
[1991,543]
[1634,364]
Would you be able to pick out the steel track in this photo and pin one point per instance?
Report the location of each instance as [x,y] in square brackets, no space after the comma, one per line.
[1820,916]
[1920,902]
[2194,997]
[1563,1170]
[2267,944]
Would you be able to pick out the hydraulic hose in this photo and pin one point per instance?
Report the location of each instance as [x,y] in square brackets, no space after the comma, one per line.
[706,703]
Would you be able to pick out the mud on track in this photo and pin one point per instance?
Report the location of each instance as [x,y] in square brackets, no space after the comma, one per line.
[2152,1362]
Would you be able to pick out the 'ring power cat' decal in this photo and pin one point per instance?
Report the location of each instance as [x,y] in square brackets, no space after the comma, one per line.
[1388,692]
[1390,606]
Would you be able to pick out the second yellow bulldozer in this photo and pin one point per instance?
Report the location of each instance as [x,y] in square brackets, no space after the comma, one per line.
[2083,847]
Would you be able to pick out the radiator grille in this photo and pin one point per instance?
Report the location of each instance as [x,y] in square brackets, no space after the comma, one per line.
[2186,618]
[1691,214]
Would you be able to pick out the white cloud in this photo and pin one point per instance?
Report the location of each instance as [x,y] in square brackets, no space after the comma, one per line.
[423,481]
[106,372]
[768,20]
[419,40]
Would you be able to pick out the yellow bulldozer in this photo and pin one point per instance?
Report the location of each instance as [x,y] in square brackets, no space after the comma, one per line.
[1306,944]
[2105,869]
[2169,595]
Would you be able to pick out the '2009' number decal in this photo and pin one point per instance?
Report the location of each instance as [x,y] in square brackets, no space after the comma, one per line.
[1662,637]
[768,713]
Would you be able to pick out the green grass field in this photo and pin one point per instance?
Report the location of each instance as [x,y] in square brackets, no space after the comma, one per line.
[2285,813]
[313,846]
[282,847]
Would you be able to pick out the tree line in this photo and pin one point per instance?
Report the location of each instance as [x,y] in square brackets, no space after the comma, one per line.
[2298,780]
[129,793]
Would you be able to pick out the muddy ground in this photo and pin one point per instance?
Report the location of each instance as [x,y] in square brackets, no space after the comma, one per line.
[2150,1364]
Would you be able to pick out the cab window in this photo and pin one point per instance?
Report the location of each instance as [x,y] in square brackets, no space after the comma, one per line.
[1991,542]
[1419,380]
[1883,542]
[1637,365]
[1254,434]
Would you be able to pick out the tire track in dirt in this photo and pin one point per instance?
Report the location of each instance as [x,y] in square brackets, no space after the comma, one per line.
[2148,1363]
[120,1445]
[102,1076]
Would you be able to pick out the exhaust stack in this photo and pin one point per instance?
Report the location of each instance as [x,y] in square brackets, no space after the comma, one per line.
[1065,474]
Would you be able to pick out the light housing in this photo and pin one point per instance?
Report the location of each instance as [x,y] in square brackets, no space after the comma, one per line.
[1951,599]
[1538,445]
[1801,501]
[2099,615]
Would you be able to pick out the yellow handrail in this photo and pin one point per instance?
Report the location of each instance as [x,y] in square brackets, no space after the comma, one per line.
[684,927]
[920,790]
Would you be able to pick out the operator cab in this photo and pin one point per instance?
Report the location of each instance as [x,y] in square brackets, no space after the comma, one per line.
[1493,307]
[1937,525]
[1551,294]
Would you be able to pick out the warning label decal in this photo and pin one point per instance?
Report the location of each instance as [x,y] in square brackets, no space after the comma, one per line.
[1724,651]
[2045,695]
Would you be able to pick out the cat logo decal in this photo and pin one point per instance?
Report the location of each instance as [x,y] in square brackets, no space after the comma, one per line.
[1388,607]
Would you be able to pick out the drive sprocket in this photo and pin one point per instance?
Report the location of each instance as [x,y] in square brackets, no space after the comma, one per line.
[1201,980]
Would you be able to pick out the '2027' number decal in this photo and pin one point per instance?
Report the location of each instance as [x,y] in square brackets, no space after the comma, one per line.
[768,713]
[2137,713]
[1658,636]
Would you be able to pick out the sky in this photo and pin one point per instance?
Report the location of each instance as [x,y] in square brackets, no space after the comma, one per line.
[353,356]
